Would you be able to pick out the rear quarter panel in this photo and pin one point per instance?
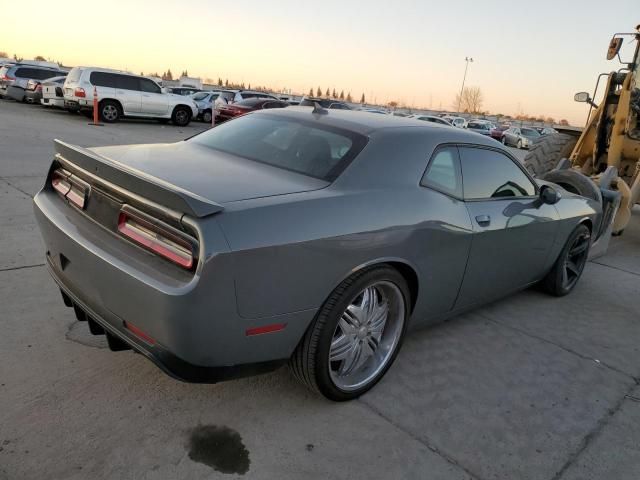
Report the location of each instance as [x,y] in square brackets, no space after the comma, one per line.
[290,252]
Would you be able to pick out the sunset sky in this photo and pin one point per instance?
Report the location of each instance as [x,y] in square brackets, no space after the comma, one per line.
[528,57]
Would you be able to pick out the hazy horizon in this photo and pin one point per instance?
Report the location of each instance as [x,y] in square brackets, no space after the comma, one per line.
[527,60]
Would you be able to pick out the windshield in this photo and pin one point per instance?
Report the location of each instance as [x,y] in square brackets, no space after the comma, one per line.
[529,132]
[199,95]
[304,147]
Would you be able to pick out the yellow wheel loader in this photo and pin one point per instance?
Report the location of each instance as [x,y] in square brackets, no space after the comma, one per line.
[603,161]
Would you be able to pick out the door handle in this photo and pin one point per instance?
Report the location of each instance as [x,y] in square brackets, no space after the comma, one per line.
[483,220]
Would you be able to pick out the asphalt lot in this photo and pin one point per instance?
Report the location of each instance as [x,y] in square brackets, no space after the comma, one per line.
[531,387]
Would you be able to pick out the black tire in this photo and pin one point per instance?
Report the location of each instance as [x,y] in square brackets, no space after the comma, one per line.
[206,116]
[110,111]
[563,278]
[574,182]
[181,116]
[547,151]
[310,361]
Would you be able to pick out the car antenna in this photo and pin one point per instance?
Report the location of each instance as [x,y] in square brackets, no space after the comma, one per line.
[317,108]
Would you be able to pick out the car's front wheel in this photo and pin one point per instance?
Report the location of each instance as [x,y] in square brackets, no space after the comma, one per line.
[519,144]
[181,116]
[206,116]
[355,336]
[567,270]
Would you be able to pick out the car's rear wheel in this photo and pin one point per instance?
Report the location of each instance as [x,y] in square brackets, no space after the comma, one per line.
[566,272]
[206,116]
[181,116]
[110,111]
[355,336]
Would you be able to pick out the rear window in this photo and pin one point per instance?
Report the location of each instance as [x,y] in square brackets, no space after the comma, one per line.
[304,147]
[74,74]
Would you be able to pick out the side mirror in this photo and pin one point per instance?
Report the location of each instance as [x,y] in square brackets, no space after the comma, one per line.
[549,195]
[582,97]
[614,48]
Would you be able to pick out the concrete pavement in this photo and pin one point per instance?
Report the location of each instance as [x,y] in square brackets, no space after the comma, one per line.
[530,387]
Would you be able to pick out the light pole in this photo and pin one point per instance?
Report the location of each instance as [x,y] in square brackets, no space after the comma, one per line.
[467,60]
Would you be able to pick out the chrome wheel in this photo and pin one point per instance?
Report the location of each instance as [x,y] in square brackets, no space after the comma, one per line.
[519,144]
[366,335]
[110,113]
[575,260]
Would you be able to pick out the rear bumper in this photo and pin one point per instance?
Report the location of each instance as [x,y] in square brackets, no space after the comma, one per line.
[196,331]
[33,96]
[52,102]
[169,363]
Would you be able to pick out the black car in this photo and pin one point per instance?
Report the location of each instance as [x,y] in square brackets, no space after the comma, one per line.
[324,103]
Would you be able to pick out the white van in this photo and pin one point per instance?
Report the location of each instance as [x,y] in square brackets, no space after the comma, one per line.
[124,94]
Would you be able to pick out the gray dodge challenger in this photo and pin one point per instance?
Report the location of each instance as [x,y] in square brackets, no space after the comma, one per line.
[304,236]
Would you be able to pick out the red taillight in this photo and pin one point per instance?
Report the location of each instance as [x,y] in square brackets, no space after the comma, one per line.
[139,333]
[70,187]
[60,182]
[7,77]
[79,92]
[162,240]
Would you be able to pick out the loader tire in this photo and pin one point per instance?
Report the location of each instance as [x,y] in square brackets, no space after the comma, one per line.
[547,151]
[574,182]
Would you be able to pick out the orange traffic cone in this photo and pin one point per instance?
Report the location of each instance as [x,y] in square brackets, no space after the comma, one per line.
[95,108]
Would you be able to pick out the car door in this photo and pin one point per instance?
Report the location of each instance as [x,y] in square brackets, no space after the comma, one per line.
[445,237]
[153,101]
[128,93]
[513,231]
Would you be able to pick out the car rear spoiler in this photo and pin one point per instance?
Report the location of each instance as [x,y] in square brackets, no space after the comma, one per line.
[140,183]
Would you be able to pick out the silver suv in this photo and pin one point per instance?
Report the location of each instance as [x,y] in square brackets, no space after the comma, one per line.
[123,94]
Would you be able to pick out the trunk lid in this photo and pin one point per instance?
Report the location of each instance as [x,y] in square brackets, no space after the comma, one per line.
[186,176]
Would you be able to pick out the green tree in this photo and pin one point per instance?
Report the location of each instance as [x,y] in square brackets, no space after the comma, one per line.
[333,94]
[220,81]
[40,58]
[342,95]
[349,99]
[319,92]
[328,94]
[169,75]
[311,92]
[226,82]
[362,99]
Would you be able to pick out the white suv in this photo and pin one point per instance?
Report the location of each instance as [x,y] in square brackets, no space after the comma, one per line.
[124,94]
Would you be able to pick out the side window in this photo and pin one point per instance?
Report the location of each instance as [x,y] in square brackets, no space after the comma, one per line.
[147,85]
[127,82]
[491,174]
[103,79]
[443,172]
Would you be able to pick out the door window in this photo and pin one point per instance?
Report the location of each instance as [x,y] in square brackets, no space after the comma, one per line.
[491,174]
[149,86]
[443,172]
[126,82]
